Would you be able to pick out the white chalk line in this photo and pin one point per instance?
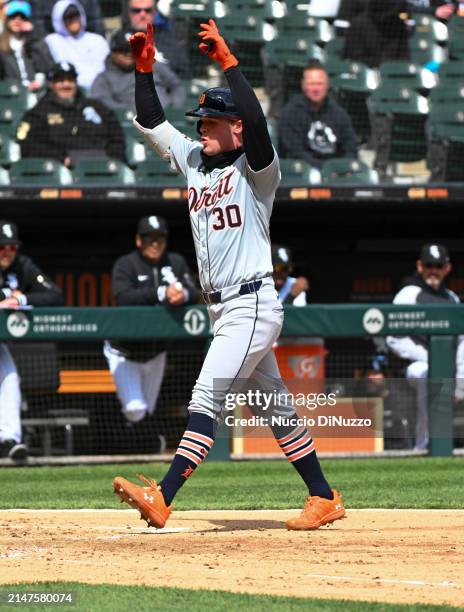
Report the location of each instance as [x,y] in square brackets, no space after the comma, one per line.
[383,580]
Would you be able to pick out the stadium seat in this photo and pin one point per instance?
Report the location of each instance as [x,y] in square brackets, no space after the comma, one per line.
[445,150]
[298,173]
[196,9]
[10,118]
[447,92]
[335,47]
[456,37]
[352,82]
[346,171]
[451,72]
[303,26]
[4,177]
[157,172]
[102,172]
[424,50]
[407,74]
[135,149]
[125,117]
[13,94]
[426,26]
[246,35]
[397,115]
[40,171]
[10,151]
[283,50]
[264,9]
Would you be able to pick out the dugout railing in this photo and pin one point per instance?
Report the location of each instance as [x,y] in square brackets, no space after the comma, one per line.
[79,370]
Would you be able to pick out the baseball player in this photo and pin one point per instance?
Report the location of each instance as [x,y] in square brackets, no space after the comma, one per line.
[22,283]
[291,289]
[148,275]
[426,286]
[232,175]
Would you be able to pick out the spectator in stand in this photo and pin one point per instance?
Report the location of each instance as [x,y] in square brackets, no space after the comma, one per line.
[22,57]
[22,284]
[66,125]
[169,49]
[312,125]
[379,34]
[42,16]
[148,276]
[441,9]
[73,44]
[115,85]
[426,286]
[292,290]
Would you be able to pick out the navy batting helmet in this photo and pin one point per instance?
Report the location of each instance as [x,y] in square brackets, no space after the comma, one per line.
[215,102]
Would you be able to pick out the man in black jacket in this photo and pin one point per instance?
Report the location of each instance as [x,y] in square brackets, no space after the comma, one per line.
[426,286]
[66,124]
[22,284]
[145,277]
[313,126]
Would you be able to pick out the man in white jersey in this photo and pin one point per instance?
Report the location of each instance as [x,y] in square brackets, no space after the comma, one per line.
[232,175]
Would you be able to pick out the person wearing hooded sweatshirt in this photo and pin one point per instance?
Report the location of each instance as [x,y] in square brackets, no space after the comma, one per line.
[426,286]
[312,125]
[115,85]
[73,44]
[378,35]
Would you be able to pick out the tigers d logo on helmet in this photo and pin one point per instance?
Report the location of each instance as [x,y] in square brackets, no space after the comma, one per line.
[201,99]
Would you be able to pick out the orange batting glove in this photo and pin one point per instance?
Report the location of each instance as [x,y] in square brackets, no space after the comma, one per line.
[215,46]
[143,49]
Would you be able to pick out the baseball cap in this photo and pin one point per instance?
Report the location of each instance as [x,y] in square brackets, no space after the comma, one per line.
[8,233]
[71,12]
[62,70]
[151,225]
[434,254]
[18,6]
[281,256]
[120,42]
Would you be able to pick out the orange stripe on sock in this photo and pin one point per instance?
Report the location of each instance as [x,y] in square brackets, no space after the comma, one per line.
[302,453]
[188,455]
[199,437]
[196,447]
[291,435]
[300,442]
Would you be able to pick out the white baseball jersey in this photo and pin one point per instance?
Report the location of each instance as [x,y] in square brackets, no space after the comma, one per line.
[230,209]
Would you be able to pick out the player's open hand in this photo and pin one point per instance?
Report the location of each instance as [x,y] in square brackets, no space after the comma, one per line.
[214,45]
[301,284]
[143,49]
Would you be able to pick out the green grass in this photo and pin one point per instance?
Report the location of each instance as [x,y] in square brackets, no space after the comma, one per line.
[111,598]
[365,483]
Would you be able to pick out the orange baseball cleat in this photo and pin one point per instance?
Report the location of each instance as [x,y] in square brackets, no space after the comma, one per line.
[149,500]
[318,511]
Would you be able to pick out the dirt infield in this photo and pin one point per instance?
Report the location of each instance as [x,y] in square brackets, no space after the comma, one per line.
[380,555]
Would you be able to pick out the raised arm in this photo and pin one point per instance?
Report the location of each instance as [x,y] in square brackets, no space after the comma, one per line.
[256,140]
[149,110]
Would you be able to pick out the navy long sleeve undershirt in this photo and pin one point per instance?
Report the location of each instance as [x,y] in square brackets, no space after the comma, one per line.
[256,140]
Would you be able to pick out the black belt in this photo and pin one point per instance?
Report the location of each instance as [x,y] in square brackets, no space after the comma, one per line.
[215,297]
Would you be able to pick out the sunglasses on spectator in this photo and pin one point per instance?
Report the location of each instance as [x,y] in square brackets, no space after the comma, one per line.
[429,266]
[136,10]
[9,247]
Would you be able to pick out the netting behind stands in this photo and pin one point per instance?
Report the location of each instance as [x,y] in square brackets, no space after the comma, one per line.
[42,367]
[406,110]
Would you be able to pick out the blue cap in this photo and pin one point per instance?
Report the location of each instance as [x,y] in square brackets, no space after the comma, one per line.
[18,6]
